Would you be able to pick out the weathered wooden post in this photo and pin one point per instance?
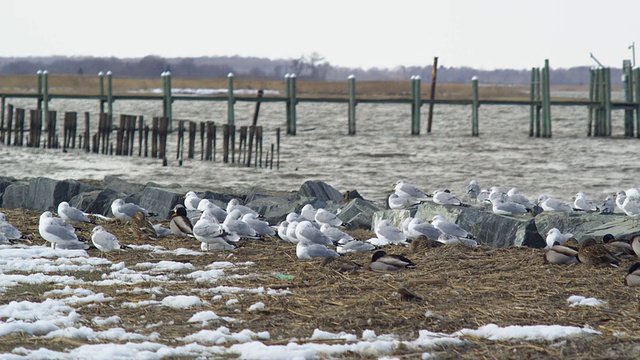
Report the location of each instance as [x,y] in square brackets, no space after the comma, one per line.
[230,101]
[180,138]
[546,101]
[140,134]
[45,96]
[7,136]
[278,148]
[627,79]
[202,130]
[538,102]
[292,104]
[287,96]
[51,128]
[110,99]
[87,143]
[351,91]
[225,143]
[101,80]
[2,110]
[39,91]
[19,128]
[232,140]
[192,140]
[120,135]
[169,115]
[607,95]
[259,144]
[242,158]
[415,104]
[532,89]
[154,138]
[636,76]
[590,106]
[271,165]
[162,137]
[474,107]
[432,96]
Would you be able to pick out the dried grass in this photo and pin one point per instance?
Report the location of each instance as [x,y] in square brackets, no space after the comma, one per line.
[460,287]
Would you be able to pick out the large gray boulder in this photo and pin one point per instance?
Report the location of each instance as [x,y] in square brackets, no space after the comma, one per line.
[96,201]
[45,194]
[15,195]
[358,214]
[276,208]
[122,186]
[158,200]
[321,191]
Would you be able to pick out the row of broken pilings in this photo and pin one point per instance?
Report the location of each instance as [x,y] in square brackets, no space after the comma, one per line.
[356,212]
[248,150]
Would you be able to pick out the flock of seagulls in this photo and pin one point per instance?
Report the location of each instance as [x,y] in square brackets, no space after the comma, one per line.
[318,233]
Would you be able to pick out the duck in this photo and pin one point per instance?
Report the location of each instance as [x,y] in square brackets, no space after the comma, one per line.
[617,247]
[594,254]
[180,224]
[559,254]
[142,228]
[635,244]
[633,275]
[572,243]
[422,243]
[381,261]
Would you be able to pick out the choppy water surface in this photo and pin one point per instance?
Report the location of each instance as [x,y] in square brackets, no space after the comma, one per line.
[382,152]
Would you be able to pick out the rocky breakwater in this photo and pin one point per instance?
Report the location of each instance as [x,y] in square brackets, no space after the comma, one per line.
[523,230]
[96,197]
[356,213]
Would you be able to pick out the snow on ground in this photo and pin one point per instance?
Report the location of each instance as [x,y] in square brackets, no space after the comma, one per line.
[60,315]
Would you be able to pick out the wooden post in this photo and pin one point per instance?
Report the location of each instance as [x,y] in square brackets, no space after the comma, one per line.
[415,105]
[278,148]
[45,97]
[532,98]
[162,137]
[86,131]
[351,91]
[74,129]
[271,165]
[110,99]
[51,128]
[627,77]
[209,144]
[19,127]
[259,145]
[7,134]
[252,133]
[474,109]
[214,138]
[39,92]
[636,75]
[538,103]
[607,95]
[169,115]
[146,141]
[432,96]
[225,143]
[232,145]
[192,140]
[293,103]
[242,158]
[154,138]
[120,136]
[546,101]
[231,101]
[2,110]
[132,133]
[287,96]
[140,134]
[591,99]
[202,130]
[180,138]
[101,80]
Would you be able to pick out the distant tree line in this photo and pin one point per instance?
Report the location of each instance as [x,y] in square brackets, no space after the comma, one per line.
[306,67]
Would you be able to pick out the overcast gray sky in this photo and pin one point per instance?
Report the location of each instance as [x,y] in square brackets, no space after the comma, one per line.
[486,34]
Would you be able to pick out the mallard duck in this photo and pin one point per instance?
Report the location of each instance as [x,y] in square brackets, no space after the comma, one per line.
[617,247]
[635,244]
[180,224]
[422,243]
[594,254]
[633,276]
[381,261]
[142,228]
[572,243]
[559,254]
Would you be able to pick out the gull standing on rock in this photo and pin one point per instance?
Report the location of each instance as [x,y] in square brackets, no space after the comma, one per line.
[58,233]
[191,201]
[473,189]
[445,197]
[515,196]
[72,215]
[608,206]
[450,228]
[410,192]
[509,208]
[125,211]
[583,203]
[551,204]
[397,202]
[631,207]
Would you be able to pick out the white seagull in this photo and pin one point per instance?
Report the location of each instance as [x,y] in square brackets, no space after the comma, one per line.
[388,233]
[450,228]
[59,233]
[72,215]
[306,250]
[583,203]
[473,190]
[325,217]
[555,237]
[410,192]
[104,240]
[305,231]
[191,201]
[125,211]
[509,208]
[552,204]
[211,234]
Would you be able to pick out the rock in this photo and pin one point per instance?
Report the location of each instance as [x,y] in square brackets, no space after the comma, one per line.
[578,223]
[121,186]
[96,202]
[45,194]
[276,208]
[15,195]
[158,200]
[358,214]
[4,183]
[321,191]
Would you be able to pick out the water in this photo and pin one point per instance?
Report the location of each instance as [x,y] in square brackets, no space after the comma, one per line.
[382,152]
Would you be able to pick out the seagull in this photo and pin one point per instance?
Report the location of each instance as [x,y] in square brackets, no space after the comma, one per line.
[583,203]
[305,231]
[161,230]
[125,211]
[418,227]
[104,240]
[306,250]
[325,217]
[8,230]
[71,214]
[621,196]
[473,189]
[551,204]
[397,202]
[219,213]
[143,228]
[211,234]
[234,204]
[515,196]
[450,228]
[282,230]
[309,212]
[233,225]
[180,224]
[59,233]
[410,192]
[502,207]
[496,194]
[354,246]
[608,206]
[389,233]
[335,234]
[631,207]
[483,195]
[445,197]
[191,201]
[381,261]
[262,228]
[291,232]
[554,236]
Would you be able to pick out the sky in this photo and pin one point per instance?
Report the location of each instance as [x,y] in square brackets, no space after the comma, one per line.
[487,34]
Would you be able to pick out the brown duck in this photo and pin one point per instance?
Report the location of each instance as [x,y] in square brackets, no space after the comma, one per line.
[142,228]
[594,254]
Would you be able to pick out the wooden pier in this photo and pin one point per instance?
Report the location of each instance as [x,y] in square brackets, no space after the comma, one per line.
[599,107]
